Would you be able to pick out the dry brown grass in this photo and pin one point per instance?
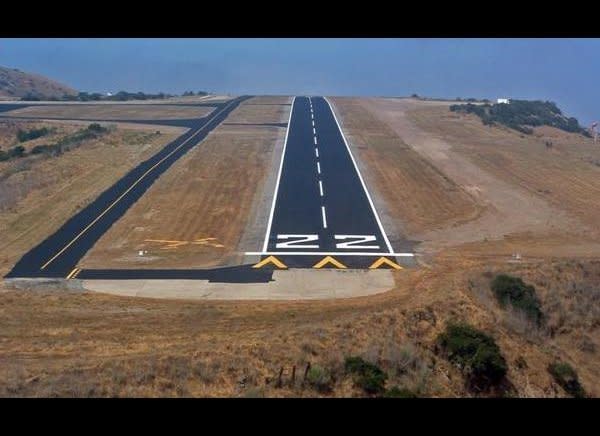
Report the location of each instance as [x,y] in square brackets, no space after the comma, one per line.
[32,187]
[112,112]
[71,344]
[195,214]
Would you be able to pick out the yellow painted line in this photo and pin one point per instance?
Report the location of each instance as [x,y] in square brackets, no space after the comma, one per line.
[71,273]
[77,273]
[270,259]
[331,260]
[384,261]
[131,187]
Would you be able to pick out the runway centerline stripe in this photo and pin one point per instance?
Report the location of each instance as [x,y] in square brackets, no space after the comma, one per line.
[321,188]
[318,168]
[130,188]
[315,138]
[387,241]
[317,151]
[287,132]
[324,217]
[314,131]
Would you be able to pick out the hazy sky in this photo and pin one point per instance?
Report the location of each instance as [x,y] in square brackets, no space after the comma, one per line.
[562,70]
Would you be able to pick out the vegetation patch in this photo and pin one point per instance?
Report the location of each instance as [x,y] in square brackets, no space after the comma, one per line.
[319,378]
[512,290]
[521,115]
[66,143]
[367,376]
[476,354]
[28,135]
[566,376]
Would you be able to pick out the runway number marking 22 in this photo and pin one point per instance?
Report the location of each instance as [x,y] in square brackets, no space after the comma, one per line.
[300,241]
[359,239]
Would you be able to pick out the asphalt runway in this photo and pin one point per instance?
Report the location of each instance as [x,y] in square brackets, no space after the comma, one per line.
[321,205]
[57,256]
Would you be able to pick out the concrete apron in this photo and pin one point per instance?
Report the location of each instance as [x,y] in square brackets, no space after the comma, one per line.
[295,284]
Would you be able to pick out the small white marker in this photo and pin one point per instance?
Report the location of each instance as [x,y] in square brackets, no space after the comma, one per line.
[317,151]
[313,123]
[314,131]
[315,138]
[321,188]
[324,217]
[318,168]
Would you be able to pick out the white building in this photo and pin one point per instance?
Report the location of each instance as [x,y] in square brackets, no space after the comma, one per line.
[503,100]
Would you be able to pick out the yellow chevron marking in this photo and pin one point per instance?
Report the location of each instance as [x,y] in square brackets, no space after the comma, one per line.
[384,261]
[331,260]
[270,259]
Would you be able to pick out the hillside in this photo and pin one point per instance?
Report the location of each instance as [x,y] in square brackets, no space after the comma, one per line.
[15,84]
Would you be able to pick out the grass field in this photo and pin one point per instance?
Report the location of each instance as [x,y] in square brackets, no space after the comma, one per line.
[496,193]
[195,214]
[32,187]
[112,112]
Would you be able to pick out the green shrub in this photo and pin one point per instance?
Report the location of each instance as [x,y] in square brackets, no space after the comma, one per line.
[18,151]
[28,135]
[97,128]
[476,353]
[567,378]
[513,291]
[397,392]
[319,378]
[521,115]
[369,377]
[4,156]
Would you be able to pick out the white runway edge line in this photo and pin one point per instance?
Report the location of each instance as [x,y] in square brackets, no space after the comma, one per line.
[387,241]
[325,253]
[324,217]
[266,242]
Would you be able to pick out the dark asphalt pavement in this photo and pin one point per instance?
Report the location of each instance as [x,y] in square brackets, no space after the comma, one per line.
[58,255]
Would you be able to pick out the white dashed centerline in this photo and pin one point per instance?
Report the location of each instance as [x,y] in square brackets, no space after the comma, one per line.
[313,123]
[321,188]
[317,152]
[324,217]
[318,168]
[314,131]
[315,138]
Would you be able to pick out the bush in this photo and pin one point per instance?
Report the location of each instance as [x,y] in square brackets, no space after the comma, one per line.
[28,135]
[369,377]
[97,128]
[513,291]
[18,151]
[319,378]
[4,156]
[521,115]
[476,353]
[567,378]
[397,392]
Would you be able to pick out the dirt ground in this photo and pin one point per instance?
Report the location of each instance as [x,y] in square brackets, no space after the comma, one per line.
[498,187]
[113,112]
[65,343]
[196,213]
[495,193]
[32,187]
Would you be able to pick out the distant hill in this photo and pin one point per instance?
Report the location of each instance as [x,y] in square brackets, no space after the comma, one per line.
[16,84]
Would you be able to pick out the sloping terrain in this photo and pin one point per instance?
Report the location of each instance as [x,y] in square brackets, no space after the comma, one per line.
[16,84]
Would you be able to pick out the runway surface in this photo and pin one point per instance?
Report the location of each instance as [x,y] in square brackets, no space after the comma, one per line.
[57,256]
[322,206]
[322,214]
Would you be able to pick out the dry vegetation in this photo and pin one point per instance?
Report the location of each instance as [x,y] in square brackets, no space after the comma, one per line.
[195,214]
[15,83]
[112,112]
[65,343]
[32,187]
[496,193]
